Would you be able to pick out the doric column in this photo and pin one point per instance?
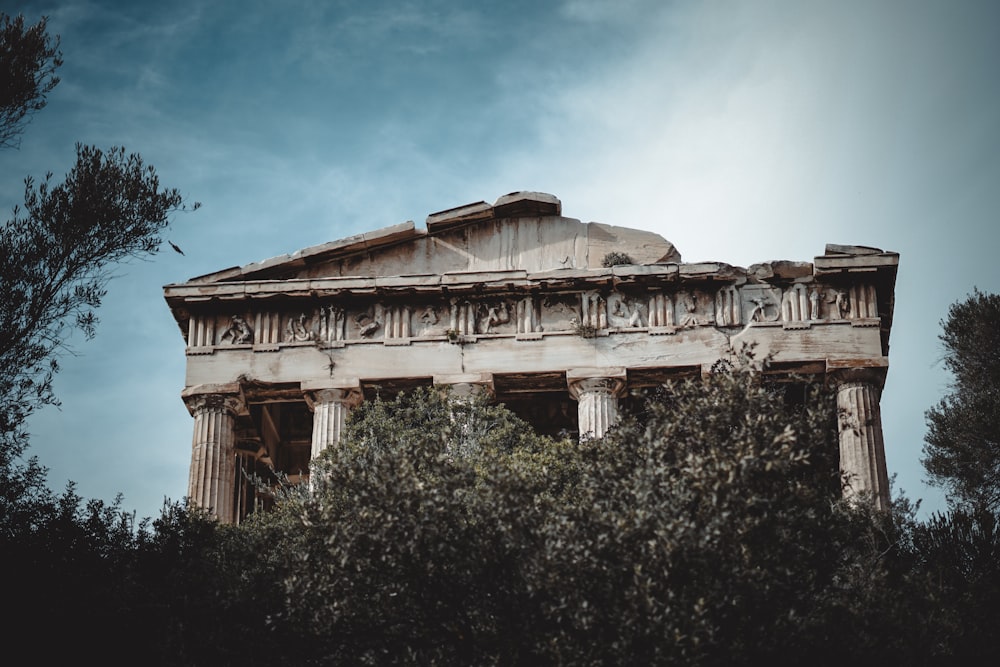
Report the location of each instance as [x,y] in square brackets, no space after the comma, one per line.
[597,399]
[330,410]
[211,485]
[862,449]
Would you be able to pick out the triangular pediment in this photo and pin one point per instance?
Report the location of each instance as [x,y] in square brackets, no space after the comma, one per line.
[520,231]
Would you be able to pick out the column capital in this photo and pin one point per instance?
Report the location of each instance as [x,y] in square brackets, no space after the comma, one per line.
[465,385]
[349,396]
[610,386]
[345,390]
[206,397]
[609,380]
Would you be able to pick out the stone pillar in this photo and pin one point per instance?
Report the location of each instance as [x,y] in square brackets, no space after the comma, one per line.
[862,450]
[330,410]
[212,480]
[597,400]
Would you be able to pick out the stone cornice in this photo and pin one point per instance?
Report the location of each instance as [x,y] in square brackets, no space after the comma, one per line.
[378,238]
[507,281]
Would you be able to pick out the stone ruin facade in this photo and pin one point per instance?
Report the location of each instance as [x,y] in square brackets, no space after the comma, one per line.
[514,299]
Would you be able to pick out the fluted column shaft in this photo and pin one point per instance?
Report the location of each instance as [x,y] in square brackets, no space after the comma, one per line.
[331,408]
[211,485]
[862,449]
[597,404]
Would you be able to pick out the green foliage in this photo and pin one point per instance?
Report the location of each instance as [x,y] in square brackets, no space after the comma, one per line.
[182,591]
[615,258]
[697,532]
[703,530]
[433,421]
[958,581]
[962,446]
[58,253]
[29,58]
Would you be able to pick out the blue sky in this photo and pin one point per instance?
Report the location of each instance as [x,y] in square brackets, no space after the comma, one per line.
[740,131]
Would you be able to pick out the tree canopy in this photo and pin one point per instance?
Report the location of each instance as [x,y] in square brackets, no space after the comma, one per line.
[58,250]
[962,447]
[29,58]
[701,529]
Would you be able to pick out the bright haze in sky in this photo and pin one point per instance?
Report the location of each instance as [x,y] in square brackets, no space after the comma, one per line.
[740,131]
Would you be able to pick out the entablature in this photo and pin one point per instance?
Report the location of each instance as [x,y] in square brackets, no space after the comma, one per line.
[463,307]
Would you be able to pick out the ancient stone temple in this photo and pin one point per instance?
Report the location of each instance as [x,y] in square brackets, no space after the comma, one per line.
[558,319]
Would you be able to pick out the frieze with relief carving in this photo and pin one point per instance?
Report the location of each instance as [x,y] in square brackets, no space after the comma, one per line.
[237,333]
[625,312]
[656,310]
[559,312]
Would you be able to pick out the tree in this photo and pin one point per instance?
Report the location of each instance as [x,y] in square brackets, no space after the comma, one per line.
[75,561]
[57,255]
[29,58]
[962,446]
[705,530]
[398,549]
[956,579]
[58,251]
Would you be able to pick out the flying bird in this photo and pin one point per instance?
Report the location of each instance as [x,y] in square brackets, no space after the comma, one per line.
[172,245]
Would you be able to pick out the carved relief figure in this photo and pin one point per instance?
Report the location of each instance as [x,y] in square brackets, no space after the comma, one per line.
[496,313]
[557,312]
[429,316]
[428,319]
[298,330]
[687,315]
[839,304]
[238,332]
[624,314]
[814,304]
[369,321]
[760,305]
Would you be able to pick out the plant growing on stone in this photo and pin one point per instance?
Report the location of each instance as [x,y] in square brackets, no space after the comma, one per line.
[616,258]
